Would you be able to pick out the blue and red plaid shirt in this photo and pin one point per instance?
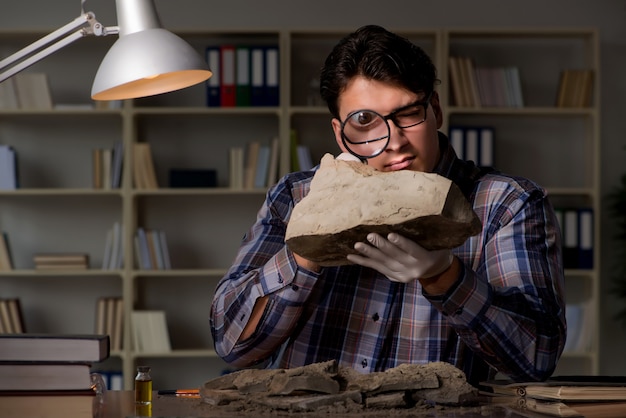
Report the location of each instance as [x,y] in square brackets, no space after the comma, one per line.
[506,312]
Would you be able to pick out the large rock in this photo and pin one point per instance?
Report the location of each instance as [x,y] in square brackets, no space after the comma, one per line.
[349,199]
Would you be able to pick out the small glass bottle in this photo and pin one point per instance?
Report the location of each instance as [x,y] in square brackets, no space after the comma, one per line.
[143,386]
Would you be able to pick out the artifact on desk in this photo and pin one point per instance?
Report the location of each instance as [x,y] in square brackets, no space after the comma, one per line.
[348,200]
[326,385]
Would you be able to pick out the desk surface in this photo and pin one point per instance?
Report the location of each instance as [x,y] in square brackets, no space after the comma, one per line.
[119,404]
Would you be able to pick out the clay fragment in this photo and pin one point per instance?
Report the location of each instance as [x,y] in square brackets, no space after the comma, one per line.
[348,200]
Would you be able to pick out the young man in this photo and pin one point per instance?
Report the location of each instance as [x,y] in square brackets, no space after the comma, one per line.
[493,304]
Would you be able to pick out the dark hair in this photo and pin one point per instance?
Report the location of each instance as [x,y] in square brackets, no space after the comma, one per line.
[375,53]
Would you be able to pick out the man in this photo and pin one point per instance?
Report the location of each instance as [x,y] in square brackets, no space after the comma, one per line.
[493,304]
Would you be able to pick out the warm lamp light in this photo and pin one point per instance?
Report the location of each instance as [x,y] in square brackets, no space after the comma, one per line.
[145,60]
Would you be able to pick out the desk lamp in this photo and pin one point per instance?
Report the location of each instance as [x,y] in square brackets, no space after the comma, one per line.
[144,61]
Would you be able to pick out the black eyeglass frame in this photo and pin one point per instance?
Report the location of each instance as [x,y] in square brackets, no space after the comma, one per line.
[391,116]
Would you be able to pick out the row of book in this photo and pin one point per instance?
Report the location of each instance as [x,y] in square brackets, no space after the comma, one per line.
[107,167]
[110,320]
[473,143]
[243,75]
[575,88]
[26,90]
[11,316]
[255,165]
[61,261]
[8,168]
[149,331]
[144,173]
[577,232]
[151,249]
[476,86]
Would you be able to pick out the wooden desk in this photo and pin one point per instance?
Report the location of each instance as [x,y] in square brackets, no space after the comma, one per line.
[120,404]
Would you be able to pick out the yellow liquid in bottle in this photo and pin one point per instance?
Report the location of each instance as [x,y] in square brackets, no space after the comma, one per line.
[143,391]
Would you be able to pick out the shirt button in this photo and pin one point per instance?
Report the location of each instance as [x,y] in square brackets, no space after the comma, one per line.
[294,287]
[459,311]
[364,363]
[375,317]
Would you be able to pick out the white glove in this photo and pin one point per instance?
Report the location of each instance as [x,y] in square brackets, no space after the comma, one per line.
[399,258]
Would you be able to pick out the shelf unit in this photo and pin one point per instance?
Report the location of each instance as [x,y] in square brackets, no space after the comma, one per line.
[57,210]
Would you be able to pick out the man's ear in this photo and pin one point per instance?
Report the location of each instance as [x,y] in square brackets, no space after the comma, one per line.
[336,124]
[436,106]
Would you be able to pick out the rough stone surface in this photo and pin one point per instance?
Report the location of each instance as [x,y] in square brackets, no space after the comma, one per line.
[349,199]
[309,389]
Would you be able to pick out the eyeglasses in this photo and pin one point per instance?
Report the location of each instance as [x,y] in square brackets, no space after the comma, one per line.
[365,133]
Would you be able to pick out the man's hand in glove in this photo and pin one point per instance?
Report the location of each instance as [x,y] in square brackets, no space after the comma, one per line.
[402,260]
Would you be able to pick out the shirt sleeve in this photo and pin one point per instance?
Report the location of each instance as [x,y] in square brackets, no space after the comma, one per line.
[263,266]
[508,305]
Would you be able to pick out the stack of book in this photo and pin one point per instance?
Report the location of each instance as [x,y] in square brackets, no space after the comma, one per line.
[254,166]
[35,363]
[61,261]
[151,250]
[144,174]
[107,167]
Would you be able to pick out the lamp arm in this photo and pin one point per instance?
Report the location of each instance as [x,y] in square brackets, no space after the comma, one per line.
[84,25]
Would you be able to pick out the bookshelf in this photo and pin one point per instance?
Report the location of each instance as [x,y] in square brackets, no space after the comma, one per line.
[57,209]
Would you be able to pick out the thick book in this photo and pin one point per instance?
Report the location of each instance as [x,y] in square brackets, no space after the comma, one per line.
[565,388]
[89,348]
[53,405]
[44,376]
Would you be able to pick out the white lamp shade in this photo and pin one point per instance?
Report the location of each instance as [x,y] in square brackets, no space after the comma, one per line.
[145,63]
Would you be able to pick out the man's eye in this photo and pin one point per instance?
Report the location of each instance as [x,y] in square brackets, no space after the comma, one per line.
[364,118]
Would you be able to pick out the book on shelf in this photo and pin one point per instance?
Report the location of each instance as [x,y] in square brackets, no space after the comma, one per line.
[33,91]
[49,405]
[39,376]
[6,261]
[575,88]
[8,168]
[499,86]
[11,317]
[463,82]
[32,347]
[272,171]
[113,257]
[61,261]
[251,161]
[149,332]
[576,388]
[8,95]
[144,174]
[151,249]
[110,320]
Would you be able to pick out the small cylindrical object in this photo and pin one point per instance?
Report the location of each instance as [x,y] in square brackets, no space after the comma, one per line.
[143,386]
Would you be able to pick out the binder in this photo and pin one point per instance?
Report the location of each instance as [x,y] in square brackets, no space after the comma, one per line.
[213,83]
[242,78]
[271,76]
[257,76]
[471,145]
[585,238]
[457,140]
[570,239]
[227,83]
[485,145]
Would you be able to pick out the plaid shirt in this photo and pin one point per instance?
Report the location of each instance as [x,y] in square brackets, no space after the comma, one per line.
[506,312]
